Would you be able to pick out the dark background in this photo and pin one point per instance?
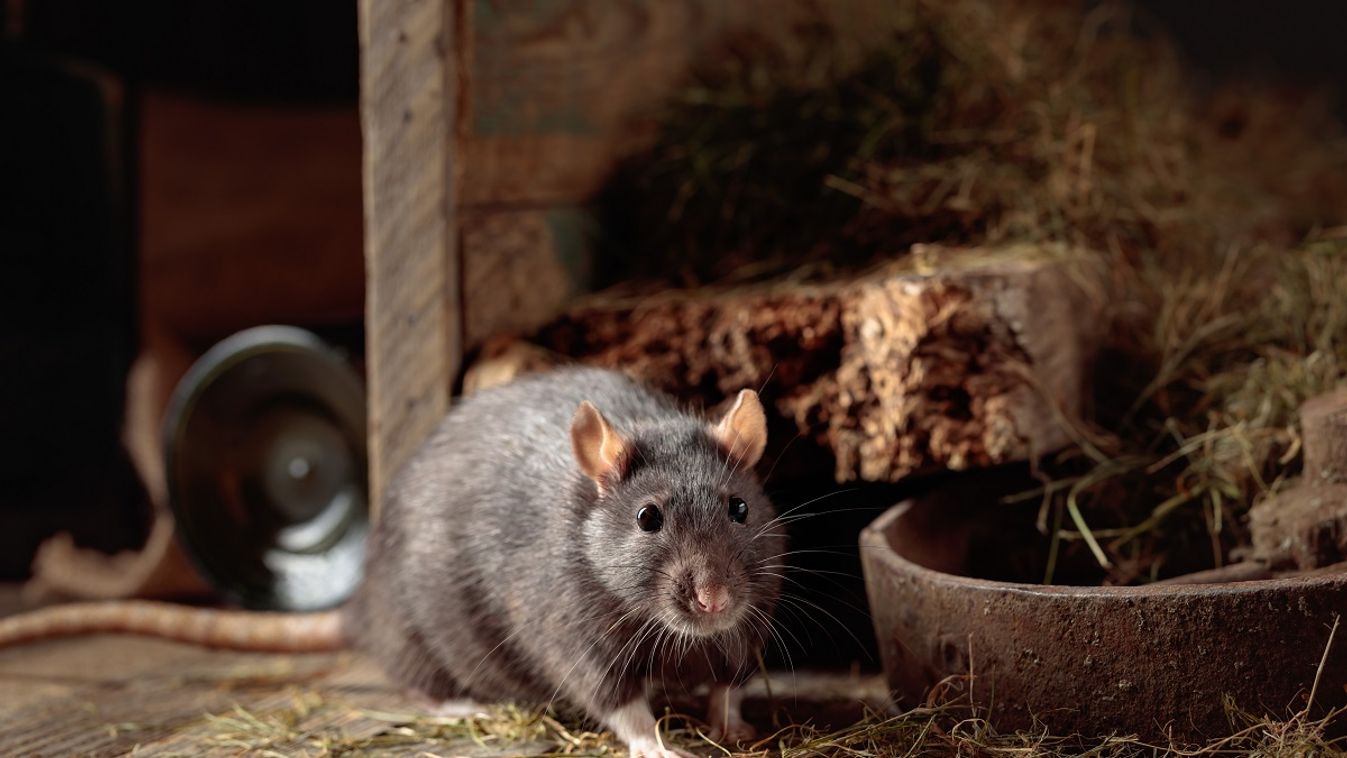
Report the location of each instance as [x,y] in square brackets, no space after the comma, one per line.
[1298,41]
[295,51]
[289,52]
[169,173]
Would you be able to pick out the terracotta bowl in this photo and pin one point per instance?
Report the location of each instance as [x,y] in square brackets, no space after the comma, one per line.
[1153,661]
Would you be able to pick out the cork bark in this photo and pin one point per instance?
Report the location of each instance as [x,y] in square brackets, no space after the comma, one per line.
[946,359]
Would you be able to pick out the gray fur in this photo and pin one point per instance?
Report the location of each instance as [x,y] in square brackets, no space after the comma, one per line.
[497,573]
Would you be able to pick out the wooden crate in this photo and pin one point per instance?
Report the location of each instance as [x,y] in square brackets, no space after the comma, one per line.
[488,126]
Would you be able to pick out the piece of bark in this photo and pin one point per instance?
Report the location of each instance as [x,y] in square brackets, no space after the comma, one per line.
[945,358]
[1306,525]
[1323,421]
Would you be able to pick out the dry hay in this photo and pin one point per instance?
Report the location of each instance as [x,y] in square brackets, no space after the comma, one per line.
[317,724]
[947,728]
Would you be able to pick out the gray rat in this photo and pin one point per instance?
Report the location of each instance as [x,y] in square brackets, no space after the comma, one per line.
[568,537]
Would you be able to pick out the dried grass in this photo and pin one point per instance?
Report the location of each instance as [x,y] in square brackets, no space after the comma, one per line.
[324,725]
[1230,354]
[951,728]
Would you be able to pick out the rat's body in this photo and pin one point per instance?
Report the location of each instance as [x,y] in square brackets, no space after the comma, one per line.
[567,538]
[497,572]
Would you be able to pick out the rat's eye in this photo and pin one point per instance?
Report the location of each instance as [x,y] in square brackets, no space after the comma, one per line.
[649,518]
[738,510]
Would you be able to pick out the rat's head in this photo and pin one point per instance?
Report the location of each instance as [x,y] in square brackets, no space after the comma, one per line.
[680,529]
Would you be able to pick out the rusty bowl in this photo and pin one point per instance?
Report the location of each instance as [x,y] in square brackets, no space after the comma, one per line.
[1152,661]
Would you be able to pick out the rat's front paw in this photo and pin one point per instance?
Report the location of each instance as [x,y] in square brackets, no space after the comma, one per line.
[454,708]
[732,732]
[650,748]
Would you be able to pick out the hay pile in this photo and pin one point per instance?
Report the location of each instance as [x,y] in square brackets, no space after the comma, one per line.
[982,122]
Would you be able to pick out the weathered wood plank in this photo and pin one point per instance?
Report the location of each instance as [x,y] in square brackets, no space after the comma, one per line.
[521,266]
[408,77]
[113,696]
[109,695]
[558,91]
[258,206]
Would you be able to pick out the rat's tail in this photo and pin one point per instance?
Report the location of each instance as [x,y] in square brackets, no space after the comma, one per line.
[231,630]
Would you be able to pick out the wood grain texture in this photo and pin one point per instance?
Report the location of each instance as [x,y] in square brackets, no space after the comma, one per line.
[117,696]
[249,215]
[521,266]
[407,89]
[559,90]
[944,360]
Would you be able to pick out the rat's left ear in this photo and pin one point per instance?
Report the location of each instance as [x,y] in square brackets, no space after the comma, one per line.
[599,450]
[742,431]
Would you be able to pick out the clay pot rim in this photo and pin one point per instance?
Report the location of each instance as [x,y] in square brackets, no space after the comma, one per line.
[875,540]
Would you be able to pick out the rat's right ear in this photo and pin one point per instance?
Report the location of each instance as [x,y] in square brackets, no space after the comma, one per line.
[599,449]
[742,431]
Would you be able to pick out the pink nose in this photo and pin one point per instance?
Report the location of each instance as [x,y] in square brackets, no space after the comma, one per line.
[712,599]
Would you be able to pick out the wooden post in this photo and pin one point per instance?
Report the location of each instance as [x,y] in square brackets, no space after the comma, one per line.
[407,101]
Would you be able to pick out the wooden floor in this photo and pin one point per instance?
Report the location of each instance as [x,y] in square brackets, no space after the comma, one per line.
[117,695]
[105,696]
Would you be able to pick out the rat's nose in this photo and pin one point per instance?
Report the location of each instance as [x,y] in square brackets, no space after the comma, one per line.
[712,599]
